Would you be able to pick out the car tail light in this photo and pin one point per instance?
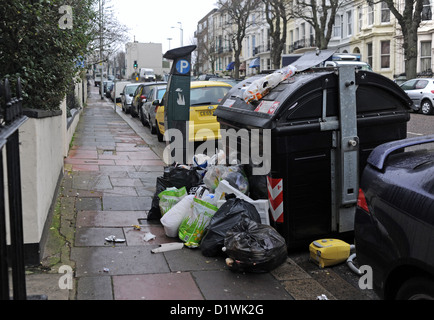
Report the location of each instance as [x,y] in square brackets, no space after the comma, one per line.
[142,97]
[361,201]
[432,91]
[156,108]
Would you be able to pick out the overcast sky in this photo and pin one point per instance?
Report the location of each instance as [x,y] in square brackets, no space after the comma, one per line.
[152,20]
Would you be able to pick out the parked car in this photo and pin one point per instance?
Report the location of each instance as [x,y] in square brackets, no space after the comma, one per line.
[109,89]
[204,99]
[231,81]
[127,96]
[421,91]
[394,221]
[118,89]
[106,84]
[140,95]
[148,110]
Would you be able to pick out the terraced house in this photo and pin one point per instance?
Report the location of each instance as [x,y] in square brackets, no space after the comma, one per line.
[368,29]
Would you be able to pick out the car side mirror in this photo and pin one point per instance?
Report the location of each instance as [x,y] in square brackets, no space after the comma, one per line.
[121,93]
[131,95]
[156,102]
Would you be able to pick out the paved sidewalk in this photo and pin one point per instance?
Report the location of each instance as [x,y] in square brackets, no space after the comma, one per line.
[109,182]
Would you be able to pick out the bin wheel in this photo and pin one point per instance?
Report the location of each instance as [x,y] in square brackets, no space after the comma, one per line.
[426,107]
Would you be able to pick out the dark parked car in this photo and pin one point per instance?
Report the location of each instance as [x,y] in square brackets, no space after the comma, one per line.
[148,110]
[140,96]
[394,222]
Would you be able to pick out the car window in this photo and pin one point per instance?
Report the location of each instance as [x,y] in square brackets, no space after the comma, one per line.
[161,93]
[151,93]
[409,85]
[421,84]
[130,89]
[207,95]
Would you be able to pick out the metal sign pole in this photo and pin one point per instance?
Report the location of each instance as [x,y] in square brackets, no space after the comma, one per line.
[177,101]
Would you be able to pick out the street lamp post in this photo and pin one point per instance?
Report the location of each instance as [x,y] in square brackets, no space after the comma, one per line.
[182,33]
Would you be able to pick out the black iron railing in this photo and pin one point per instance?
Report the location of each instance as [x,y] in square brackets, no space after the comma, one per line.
[12,255]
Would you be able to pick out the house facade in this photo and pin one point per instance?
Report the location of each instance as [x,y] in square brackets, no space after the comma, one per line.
[370,31]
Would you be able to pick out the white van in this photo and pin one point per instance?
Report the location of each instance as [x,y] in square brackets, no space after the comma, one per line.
[147,74]
[117,89]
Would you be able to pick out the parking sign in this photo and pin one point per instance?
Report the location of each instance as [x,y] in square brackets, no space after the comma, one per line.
[183,66]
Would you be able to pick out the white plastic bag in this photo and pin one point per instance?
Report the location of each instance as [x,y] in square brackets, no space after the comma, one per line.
[173,218]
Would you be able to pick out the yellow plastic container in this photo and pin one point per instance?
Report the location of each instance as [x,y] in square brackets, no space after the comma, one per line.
[328,252]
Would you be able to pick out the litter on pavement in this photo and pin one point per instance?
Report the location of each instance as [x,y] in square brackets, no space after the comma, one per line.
[207,206]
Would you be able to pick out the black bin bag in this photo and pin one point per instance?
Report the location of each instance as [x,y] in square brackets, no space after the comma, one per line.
[227,216]
[254,247]
[174,176]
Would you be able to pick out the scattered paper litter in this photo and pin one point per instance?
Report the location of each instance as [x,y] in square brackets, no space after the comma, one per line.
[149,236]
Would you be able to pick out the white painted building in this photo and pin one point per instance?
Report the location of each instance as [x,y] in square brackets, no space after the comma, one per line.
[147,55]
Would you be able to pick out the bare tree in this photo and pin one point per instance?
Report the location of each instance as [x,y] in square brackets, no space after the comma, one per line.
[409,20]
[109,34]
[320,14]
[277,16]
[238,12]
[206,53]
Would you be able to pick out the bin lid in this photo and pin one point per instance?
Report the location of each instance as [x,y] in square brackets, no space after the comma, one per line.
[299,100]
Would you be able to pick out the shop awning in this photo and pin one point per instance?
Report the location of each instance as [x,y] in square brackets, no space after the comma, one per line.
[254,63]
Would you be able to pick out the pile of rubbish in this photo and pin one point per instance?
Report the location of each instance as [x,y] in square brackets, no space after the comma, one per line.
[206,206]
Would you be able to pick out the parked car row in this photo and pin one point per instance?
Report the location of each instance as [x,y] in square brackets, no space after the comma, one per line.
[146,101]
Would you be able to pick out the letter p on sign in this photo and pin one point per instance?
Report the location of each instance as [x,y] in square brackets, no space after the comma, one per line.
[183,66]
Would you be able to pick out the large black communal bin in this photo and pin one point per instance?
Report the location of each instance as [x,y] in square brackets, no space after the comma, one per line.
[323,125]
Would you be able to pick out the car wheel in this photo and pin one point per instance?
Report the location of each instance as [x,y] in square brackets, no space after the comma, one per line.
[416,289]
[142,119]
[426,107]
[153,129]
[159,134]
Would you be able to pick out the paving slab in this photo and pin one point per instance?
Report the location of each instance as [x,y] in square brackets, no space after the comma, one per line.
[86,237]
[188,259]
[119,260]
[108,218]
[167,286]
[113,203]
[94,288]
[229,285]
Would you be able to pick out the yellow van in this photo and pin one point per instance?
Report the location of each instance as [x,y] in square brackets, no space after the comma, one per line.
[205,96]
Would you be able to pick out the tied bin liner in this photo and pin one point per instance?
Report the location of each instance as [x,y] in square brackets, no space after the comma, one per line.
[254,247]
[227,216]
[174,176]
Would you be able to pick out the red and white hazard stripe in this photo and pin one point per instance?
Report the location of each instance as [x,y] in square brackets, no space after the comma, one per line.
[275,198]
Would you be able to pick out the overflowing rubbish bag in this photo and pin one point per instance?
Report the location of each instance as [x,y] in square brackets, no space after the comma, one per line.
[227,216]
[174,176]
[173,218]
[233,174]
[194,225]
[254,247]
[170,197]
